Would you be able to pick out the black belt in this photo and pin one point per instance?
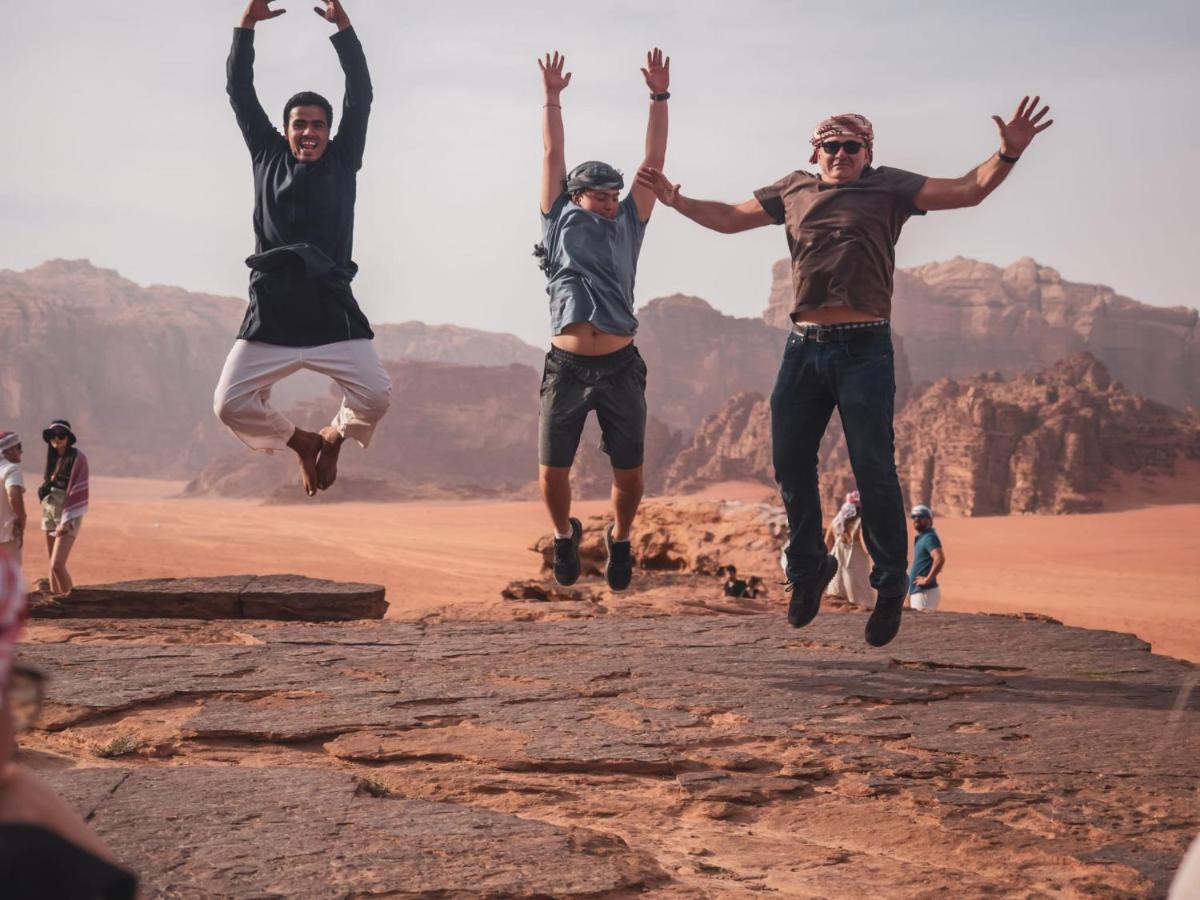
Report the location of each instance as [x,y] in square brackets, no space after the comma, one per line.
[836,334]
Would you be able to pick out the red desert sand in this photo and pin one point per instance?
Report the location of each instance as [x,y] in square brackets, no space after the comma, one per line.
[1133,570]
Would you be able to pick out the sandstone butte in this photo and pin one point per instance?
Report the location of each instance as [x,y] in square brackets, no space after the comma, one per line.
[712,753]
[962,317]
[1052,441]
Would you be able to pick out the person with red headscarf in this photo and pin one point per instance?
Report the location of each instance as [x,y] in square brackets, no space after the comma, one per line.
[842,225]
[846,542]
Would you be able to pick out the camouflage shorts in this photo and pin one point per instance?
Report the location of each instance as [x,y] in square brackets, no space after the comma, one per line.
[52,512]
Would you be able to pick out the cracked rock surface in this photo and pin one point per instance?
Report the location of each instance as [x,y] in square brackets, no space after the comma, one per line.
[697,756]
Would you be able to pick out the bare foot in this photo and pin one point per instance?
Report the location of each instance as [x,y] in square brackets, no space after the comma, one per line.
[307,445]
[331,446]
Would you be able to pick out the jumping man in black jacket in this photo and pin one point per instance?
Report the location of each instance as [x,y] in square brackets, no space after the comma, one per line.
[302,313]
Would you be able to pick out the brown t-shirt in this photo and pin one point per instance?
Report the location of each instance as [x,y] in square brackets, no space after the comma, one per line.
[843,237]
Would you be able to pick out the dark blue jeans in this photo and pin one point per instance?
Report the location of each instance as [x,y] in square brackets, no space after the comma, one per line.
[859,378]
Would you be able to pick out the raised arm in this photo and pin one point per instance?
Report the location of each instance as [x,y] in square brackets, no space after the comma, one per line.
[554,158]
[658,79]
[239,78]
[726,218]
[351,138]
[972,188]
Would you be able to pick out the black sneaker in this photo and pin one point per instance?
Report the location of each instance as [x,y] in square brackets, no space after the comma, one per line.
[806,596]
[566,555]
[885,620]
[618,571]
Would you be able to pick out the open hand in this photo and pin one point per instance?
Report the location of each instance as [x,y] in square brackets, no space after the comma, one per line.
[1016,134]
[552,73]
[657,71]
[654,180]
[259,11]
[333,12]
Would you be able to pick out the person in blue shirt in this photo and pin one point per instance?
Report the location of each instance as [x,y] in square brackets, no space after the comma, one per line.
[928,560]
[591,240]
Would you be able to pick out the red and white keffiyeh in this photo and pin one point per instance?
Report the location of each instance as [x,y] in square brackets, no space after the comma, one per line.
[76,503]
[846,123]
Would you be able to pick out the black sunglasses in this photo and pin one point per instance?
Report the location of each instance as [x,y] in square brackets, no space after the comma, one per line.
[59,434]
[851,147]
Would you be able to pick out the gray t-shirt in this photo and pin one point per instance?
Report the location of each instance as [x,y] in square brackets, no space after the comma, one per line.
[594,263]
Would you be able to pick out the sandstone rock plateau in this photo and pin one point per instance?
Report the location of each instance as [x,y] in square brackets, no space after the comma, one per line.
[699,357]
[687,756]
[1052,441]
[288,597]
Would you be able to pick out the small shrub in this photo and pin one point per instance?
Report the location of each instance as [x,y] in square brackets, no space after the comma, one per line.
[375,787]
[121,745]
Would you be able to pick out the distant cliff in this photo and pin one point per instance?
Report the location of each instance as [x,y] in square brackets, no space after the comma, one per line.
[134,367]
[1054,441]
[963,317]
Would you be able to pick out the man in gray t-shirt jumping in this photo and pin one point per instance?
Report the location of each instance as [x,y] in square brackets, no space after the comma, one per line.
[842,227]
[591,239]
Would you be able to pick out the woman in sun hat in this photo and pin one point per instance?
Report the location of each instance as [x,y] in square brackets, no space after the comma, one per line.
[64,496]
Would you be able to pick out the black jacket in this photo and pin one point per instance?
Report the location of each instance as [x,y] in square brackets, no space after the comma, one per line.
[303,213]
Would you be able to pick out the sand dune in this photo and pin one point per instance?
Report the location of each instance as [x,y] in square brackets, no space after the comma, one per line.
[1133,570]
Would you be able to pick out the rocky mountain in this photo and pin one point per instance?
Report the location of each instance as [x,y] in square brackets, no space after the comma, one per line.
[699,357]
[1052,441]
[471,429]
[962,317]
[453,344]
[133,368]
[732,444]
[453,431]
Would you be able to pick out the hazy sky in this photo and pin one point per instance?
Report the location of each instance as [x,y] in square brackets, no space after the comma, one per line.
[122,147]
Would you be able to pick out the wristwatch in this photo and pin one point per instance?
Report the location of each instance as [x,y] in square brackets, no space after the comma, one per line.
[663,95]
[1005,158]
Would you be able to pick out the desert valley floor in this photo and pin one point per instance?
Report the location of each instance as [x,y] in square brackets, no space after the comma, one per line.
[1132,570]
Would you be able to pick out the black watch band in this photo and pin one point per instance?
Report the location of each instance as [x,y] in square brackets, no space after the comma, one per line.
[664,95]
[1011,160]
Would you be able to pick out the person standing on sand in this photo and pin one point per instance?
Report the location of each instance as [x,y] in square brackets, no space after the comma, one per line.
[64,496]
[844,540]
[12,495]
[928,560]
[591,240]
[842,226]
[302,313]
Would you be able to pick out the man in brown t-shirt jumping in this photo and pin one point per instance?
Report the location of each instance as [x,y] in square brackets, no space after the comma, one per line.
[842,228]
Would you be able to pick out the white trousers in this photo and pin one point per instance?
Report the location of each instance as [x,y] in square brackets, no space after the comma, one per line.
[927,599]
[242,398]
